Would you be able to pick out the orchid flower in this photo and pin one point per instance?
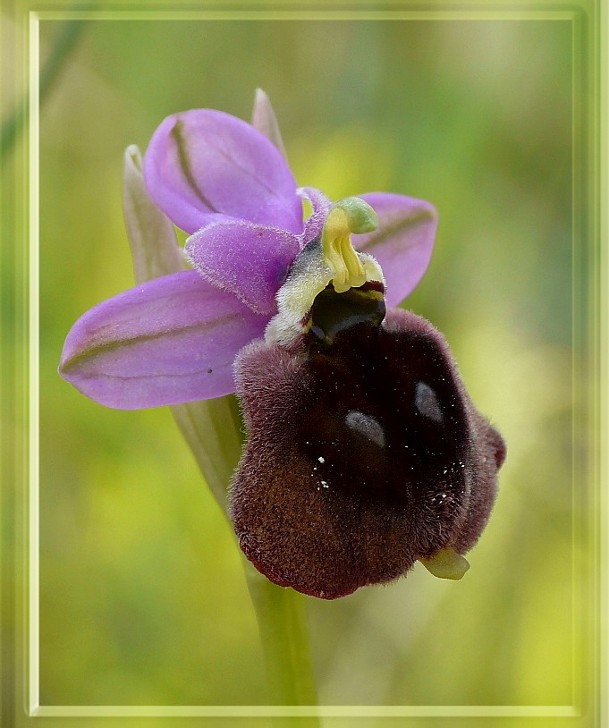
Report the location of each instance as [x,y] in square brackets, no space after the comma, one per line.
[364,452]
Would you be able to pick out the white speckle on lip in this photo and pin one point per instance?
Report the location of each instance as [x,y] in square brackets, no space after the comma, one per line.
[321,460]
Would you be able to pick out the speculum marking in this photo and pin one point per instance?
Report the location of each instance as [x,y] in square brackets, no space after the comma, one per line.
[366,426]
[426,402]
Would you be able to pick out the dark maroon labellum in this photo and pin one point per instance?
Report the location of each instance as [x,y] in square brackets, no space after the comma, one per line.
[364,453]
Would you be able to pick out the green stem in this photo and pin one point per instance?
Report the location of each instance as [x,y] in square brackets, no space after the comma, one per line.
[214,432]
[283,631]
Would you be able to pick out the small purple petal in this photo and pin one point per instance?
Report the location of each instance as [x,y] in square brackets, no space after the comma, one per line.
[168,341]
[403,242]
[251,261]
[320,205]
[319,202]
[202,164]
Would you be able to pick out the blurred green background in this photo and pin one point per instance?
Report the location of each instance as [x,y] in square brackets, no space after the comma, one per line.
[142,598]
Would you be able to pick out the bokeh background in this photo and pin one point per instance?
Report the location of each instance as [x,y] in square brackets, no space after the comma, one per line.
[142,597]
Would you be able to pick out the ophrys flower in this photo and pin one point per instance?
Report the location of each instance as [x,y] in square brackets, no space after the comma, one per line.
[364,452]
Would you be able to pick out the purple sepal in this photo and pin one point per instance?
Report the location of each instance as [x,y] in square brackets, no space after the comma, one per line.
[251,261]
[201,164]
[168,341]
[403,241]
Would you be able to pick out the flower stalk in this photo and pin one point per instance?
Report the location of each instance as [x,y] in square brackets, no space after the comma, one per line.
[284,635]
[214,428]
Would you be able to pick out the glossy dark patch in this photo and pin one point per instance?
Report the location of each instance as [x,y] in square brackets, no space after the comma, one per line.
[377,373]
[333,312]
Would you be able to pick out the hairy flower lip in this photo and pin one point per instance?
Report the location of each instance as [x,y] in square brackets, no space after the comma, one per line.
[328,593]
[315,523]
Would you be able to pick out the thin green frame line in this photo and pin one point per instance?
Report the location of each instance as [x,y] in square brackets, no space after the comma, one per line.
[287,14]
[34,363]
[328,711]
[603,222]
